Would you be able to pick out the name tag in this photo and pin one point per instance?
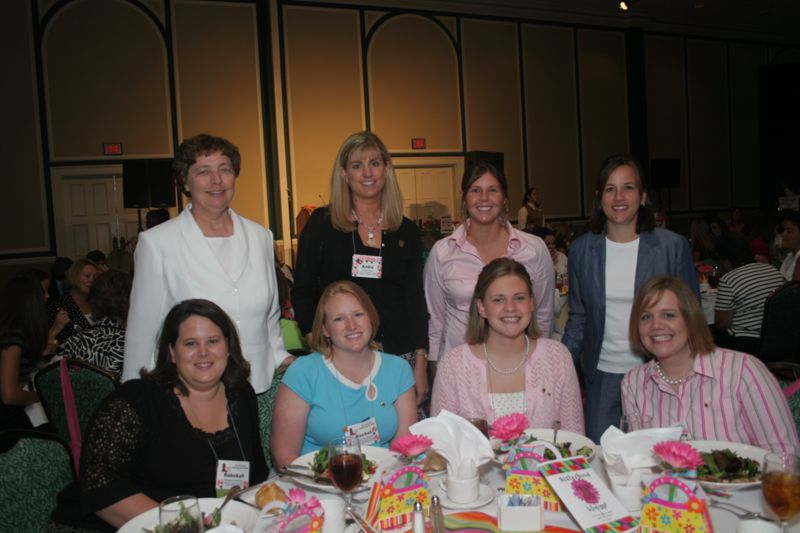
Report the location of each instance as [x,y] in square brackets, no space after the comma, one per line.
[366,432]
[231,474]
[367,266]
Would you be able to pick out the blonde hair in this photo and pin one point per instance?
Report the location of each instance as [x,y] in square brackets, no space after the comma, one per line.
[341,204]
[319,341]
[700,339]
[477,326]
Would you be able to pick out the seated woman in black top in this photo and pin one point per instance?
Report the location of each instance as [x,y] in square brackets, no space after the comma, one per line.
[169,432]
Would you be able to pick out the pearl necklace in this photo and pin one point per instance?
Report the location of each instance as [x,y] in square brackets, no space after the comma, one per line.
[665,378]
[370,229]
[512,370]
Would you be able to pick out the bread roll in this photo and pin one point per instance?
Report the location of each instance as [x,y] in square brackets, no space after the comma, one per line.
[268,493]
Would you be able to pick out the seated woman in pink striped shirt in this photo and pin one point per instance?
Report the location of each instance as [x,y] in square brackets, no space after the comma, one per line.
[506,366]
[718,394]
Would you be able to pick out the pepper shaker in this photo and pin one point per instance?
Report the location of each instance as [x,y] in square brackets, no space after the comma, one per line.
[437,516]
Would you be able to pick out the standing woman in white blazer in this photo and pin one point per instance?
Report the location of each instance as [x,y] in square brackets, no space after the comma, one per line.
[209,252]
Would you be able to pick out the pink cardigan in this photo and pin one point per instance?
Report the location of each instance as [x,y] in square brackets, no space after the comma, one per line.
[551,387]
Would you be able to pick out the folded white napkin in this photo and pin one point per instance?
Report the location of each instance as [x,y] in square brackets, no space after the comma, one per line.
[458,441]
[628,455]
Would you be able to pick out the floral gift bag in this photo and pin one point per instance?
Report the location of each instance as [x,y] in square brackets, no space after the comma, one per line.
[523,475]
[671,506]
[391,504]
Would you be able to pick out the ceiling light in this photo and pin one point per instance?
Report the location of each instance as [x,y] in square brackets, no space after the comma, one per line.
[624,5]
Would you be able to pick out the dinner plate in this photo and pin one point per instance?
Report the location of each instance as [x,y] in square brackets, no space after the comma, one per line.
[577,441]
[383,458]
[244,515]
[485,495]
[744,450]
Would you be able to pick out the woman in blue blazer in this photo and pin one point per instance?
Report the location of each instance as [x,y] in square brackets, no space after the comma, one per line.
[622,250]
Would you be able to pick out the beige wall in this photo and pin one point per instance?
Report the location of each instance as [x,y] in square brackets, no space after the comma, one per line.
[552,98]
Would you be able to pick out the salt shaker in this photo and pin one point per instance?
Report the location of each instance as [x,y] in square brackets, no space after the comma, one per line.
[437,517]
[419,519]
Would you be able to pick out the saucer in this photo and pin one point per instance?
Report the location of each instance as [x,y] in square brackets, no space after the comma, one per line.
[485,496]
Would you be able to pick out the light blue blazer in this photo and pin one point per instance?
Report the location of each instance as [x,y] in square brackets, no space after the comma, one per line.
[661,252]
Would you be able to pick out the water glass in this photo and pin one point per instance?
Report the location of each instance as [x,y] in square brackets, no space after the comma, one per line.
[180,513]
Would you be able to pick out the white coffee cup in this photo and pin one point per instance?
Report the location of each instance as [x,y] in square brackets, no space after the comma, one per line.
[757,526]
[334,515]
[462,490]
[628,495]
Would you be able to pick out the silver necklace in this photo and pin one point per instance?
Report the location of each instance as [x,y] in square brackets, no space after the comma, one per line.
[511,370]
[370,229]
[665,378]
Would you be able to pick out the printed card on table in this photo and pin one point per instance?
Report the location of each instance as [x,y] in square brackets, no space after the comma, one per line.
[587,498]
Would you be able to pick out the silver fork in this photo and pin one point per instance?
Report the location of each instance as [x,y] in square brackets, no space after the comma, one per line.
[739,512]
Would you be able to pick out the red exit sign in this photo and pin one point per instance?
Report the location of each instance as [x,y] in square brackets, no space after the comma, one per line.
[418,144]
[112,148]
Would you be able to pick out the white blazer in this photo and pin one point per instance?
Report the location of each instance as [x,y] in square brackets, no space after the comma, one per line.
[173,262]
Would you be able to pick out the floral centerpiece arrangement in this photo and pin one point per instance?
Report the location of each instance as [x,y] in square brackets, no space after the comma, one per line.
[679,458]
[412,448]
[510,431]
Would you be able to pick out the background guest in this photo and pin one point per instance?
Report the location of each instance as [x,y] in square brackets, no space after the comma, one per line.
[506,366]
[621,251]
[790,243]
[530,216]
[166,433]
[456,260]
[701,241]
[74,302]
[23,340]
[741,293]
[716,393]
[99,259]
[210,252]
[103,344]
[41,277]
[58,277]
[362,236]
[347,384]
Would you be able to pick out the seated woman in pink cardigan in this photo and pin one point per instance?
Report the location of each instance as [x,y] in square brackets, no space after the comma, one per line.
[506,367]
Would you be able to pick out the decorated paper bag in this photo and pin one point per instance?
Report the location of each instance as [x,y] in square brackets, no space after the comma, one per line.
[523,475]
[301,514]
[391,504]
[671,506]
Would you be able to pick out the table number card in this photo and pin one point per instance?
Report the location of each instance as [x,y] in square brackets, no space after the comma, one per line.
[587,498]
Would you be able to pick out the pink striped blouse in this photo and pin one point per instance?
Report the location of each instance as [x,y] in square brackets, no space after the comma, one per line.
[730,396]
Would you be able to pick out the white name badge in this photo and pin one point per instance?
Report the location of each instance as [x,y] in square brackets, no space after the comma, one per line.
[231,474]
[366,432]
[367,266]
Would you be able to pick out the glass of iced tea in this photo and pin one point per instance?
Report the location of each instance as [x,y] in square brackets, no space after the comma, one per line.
[345,466]
[780,482]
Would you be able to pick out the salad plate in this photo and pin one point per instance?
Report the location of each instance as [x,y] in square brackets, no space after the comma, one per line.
[575,441]
[382,458]
[742,450]
[243,515]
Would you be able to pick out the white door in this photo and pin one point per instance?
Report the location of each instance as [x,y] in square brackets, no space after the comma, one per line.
[427,191]
[89,211]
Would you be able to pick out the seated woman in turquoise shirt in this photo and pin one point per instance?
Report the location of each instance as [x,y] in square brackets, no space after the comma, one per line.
[347,386]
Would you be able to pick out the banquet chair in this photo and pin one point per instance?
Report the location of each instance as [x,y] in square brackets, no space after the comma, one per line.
[780,336]
[788,375]
[90,386]
[266,405]
[34,467]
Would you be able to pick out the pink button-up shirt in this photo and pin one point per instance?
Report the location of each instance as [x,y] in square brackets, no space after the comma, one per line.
[729,396]
[452,270]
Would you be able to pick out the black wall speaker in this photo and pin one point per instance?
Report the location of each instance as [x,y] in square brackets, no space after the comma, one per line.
[134,184]
[147,183]
[665,173]
[473,158]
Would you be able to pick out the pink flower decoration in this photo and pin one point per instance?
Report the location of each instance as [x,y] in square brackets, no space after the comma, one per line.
[678,455]
[585,491]
[509,427]
[297,497]
[411,445]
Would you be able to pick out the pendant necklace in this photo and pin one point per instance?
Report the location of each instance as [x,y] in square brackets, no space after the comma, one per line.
[511,370]
[370,229]
[665,378]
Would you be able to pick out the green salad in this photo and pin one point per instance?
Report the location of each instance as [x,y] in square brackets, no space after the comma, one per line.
[726,466]
[185,523]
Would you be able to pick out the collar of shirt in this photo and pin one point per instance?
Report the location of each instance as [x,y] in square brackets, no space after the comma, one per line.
[459,238]
[702,366]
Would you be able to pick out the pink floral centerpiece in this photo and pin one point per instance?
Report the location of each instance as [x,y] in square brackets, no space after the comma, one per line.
[509,430]
[680,458]
[413,448]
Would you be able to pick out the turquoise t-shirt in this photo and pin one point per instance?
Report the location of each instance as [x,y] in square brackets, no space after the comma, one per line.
[336,404]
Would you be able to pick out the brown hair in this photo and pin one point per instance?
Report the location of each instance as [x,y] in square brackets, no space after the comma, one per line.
[110,295]
[645,218]
[202,144]
[700,340]
[166,373]
[319,341]
[477,326]
[473,174]
[341,204]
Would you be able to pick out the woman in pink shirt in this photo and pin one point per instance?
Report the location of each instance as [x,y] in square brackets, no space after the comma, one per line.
[506,366]
[717,394]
